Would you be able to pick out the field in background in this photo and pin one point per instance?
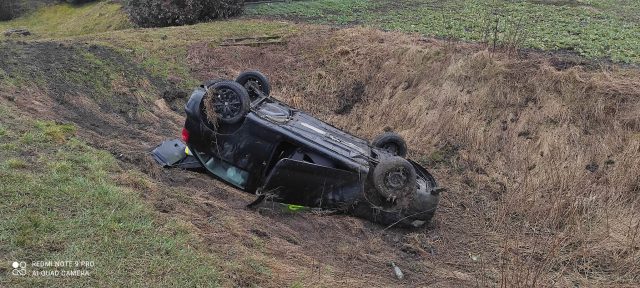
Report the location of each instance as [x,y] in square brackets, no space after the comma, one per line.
[541,158]
[591,28]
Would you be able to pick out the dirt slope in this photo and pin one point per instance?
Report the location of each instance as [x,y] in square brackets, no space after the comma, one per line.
[542,164]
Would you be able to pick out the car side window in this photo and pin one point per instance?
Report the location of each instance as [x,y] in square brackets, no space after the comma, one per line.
[224,170]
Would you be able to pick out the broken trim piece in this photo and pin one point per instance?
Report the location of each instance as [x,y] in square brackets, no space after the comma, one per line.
[173,153]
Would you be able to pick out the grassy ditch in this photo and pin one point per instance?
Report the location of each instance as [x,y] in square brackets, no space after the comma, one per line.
[540,156]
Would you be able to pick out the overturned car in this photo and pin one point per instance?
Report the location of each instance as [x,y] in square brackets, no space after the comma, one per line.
[237,132]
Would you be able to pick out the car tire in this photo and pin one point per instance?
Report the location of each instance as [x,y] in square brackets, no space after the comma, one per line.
[207,84]
[230,101]
[394,178]
[392,143]
[254,76]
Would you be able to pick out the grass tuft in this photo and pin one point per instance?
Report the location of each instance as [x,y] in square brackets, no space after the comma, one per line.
[15,163]
[57,133]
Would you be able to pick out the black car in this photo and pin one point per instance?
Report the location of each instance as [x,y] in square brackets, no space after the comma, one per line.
[258,144]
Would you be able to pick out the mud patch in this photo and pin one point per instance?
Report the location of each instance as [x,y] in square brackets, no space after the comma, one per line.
[175,97]
[165,205]
[66,69]
[350,97]
[97,88]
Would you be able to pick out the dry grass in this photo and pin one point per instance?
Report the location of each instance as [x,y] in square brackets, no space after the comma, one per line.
[544,173]
[209,110]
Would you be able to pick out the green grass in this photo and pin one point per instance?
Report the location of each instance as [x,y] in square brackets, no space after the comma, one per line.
[59,202]
[326,11]
[591,28]
[68,20]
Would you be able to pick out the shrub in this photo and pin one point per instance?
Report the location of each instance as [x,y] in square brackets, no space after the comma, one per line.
[8,10]
[160,13]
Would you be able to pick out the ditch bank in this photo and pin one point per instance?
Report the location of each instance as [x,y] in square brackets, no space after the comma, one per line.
[541,162]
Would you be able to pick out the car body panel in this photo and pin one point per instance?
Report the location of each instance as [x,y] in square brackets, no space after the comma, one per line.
[173,153]
[303,183]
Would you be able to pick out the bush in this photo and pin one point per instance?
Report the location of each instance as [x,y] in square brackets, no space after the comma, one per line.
[10,9]
[160,13]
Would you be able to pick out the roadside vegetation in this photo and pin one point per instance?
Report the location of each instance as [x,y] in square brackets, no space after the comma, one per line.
[596,29]
[541,158]
[65,195]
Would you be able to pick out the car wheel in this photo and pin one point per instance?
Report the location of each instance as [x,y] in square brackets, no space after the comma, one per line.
[394,178]
[392,143]
[256,79]
[230,101]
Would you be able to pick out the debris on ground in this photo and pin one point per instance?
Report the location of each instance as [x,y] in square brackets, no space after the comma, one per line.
[397,271]
[592,167]
[252,41]
[21,32]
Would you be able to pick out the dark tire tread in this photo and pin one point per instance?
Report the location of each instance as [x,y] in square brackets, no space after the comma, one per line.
[244,77]
[392,138]
[387,165]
